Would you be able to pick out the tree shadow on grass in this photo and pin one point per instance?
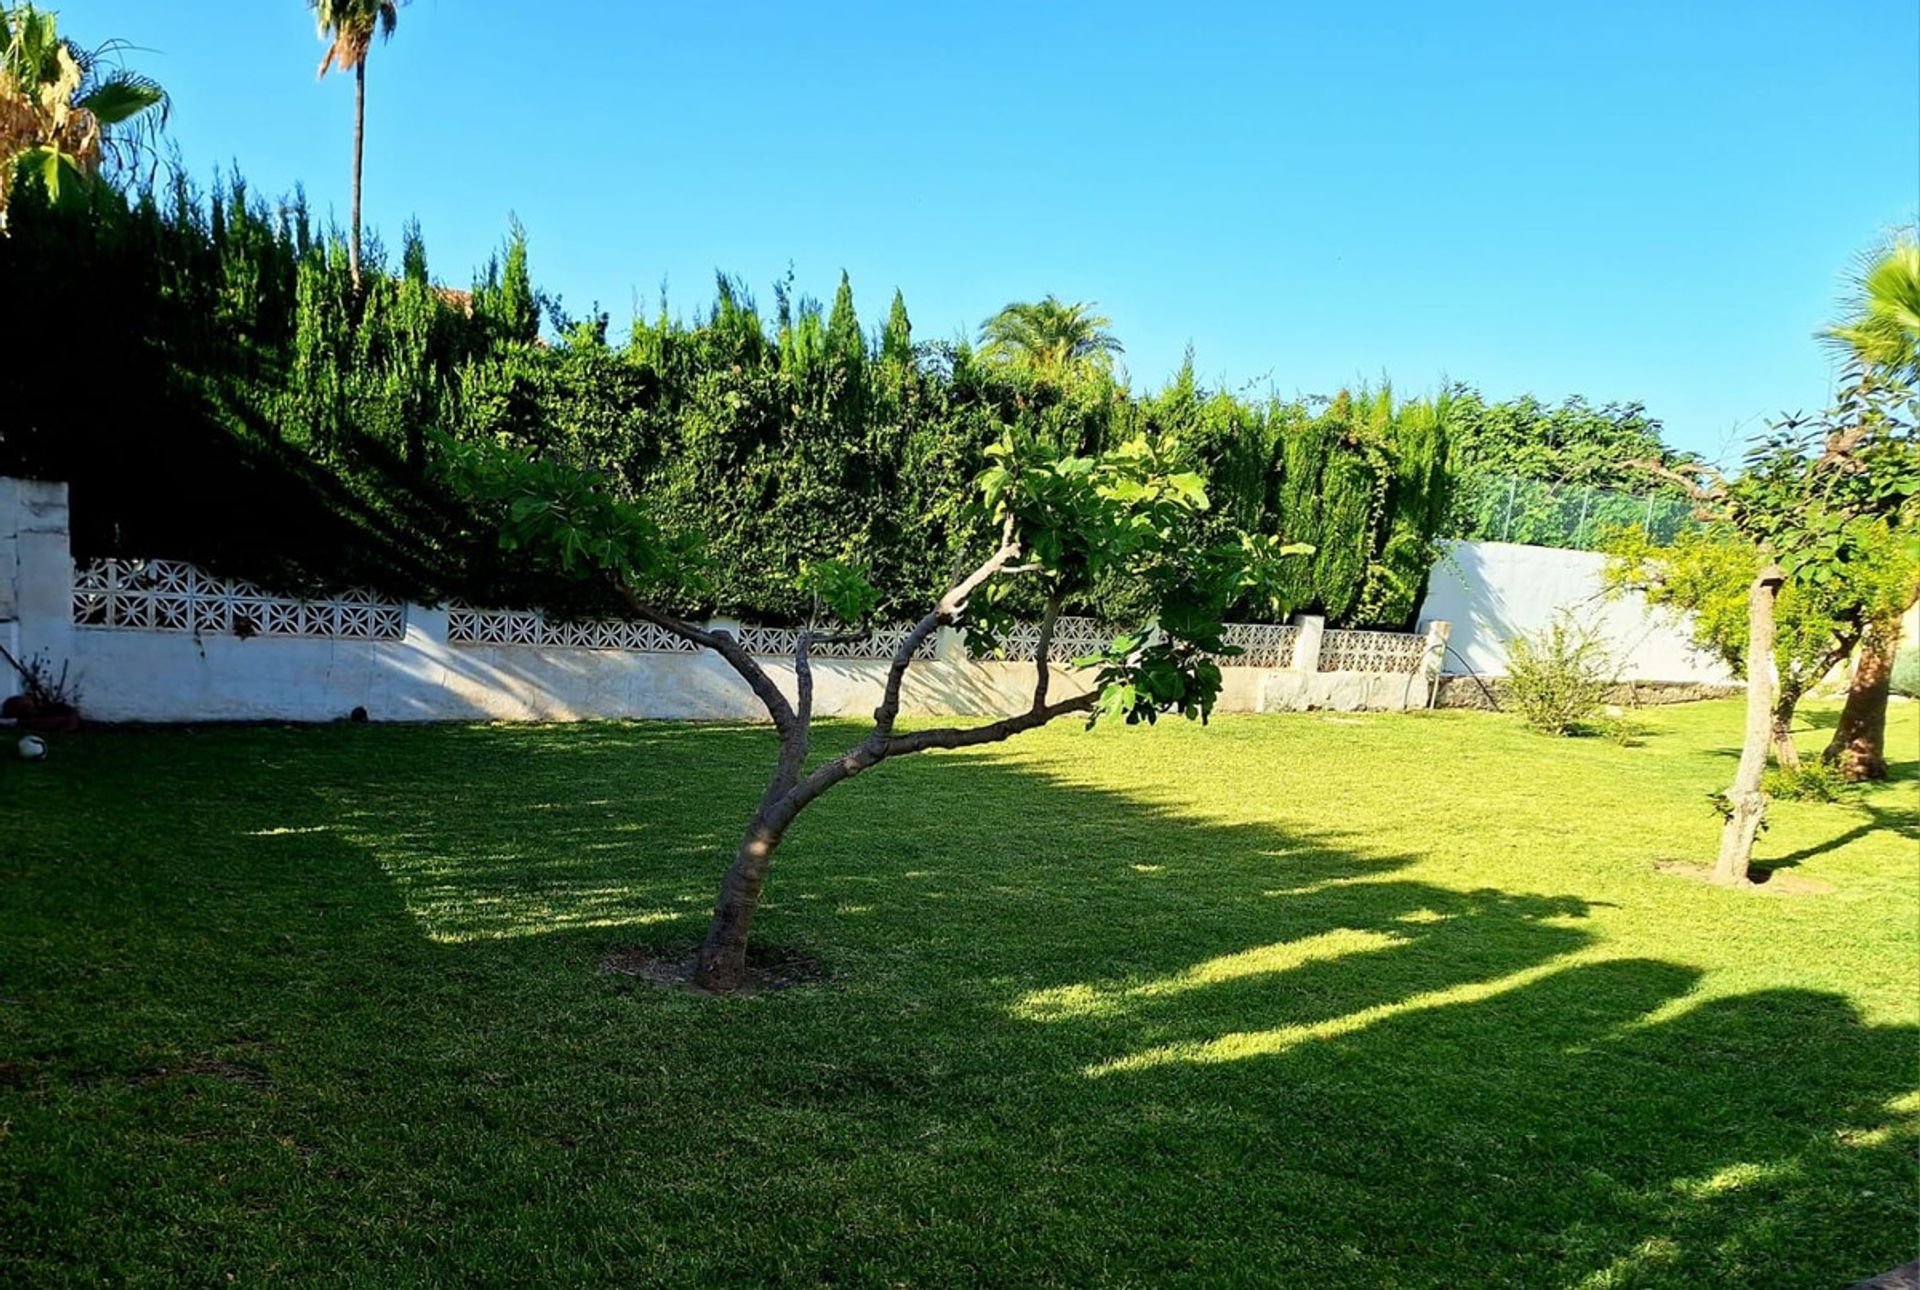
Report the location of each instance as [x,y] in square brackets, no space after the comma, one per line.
[1076,1037]
[1905,824]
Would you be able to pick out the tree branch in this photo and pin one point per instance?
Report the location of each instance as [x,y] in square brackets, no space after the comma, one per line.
[803,643]
[1844,642]
[803,678]
[870,753]
[1690,476]
[722,643]
[951,606]
[993,732]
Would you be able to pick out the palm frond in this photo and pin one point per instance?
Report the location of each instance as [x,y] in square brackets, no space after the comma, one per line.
[1881,323]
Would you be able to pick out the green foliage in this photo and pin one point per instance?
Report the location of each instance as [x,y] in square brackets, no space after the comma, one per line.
[1558,475]
[271,420]
[1882,326]
[1053,340]
[841,589]
[1705,574]
[1821,494]
[69,116]
[1569,443]
[263,419]
[569,525]
[1558,677]
[1816,780]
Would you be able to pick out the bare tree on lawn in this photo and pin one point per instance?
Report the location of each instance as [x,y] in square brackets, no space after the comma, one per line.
[1061,522]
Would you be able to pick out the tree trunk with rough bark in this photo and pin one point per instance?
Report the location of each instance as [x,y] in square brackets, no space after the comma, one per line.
[722,962]
[1746,801]
[1859,747]
[359,135]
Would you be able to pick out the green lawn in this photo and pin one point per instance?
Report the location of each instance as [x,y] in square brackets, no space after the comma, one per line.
[1308,1000]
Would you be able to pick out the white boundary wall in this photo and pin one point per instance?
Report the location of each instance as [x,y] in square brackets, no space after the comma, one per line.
[1494,591]
[319,661]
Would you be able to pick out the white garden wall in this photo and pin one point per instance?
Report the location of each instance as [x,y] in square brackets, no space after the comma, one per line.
[1494,591]
[159,641]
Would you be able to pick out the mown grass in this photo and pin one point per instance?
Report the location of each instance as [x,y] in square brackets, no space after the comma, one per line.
[1307,1000]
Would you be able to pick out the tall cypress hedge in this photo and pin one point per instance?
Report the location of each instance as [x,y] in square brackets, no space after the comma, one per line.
[265,419]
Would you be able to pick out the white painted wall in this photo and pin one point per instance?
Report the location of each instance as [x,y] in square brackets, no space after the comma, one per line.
[1494,591]
[141,674]
[134,675]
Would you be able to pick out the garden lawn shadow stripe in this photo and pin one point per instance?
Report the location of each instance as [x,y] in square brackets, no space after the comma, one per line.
[1401,1002]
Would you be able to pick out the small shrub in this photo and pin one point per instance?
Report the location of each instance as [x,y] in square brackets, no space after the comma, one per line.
[40,684]
[1906,672]
[1815,781]
[1558,678]
[1618,728]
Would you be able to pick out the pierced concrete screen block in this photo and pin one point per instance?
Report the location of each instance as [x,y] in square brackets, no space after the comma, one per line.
[1072,638]
[1348,651]
[1260,644]
[173,596]
[469,626]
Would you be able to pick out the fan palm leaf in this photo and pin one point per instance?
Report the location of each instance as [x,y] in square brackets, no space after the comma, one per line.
[68,114]
[1882,326]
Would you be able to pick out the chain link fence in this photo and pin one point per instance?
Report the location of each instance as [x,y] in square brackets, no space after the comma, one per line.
[1579,516]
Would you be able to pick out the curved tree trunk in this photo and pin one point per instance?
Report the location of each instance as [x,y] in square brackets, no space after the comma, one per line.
[1746,800]
[1859,747]
[359,134]
[722,962]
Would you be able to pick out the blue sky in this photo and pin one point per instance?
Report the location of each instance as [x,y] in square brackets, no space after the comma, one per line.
[1622,200]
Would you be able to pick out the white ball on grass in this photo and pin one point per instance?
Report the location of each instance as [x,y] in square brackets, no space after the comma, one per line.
[32,747]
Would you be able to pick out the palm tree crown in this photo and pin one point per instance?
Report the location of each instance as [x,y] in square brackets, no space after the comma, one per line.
[66,113]
[348,27]
[1052,337]
[1882,328]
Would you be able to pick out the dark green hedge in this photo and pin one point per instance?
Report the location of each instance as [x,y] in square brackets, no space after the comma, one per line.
[207,378]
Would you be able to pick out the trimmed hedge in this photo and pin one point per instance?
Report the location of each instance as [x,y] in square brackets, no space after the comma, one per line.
[207,378]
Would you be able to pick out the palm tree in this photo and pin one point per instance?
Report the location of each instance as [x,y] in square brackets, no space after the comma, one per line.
[1057,340]
[348,27]
[1882,328]
[68,115]
[1880,339]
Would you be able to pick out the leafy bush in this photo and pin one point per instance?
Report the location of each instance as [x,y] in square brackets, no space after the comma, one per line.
[1558,678]
[1815,781]
[1906,672]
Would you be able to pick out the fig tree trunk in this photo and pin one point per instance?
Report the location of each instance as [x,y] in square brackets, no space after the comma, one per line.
[1746,801]
[1859,747]
[722,962]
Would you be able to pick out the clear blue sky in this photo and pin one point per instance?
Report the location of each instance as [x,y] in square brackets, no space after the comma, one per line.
[1643,201]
